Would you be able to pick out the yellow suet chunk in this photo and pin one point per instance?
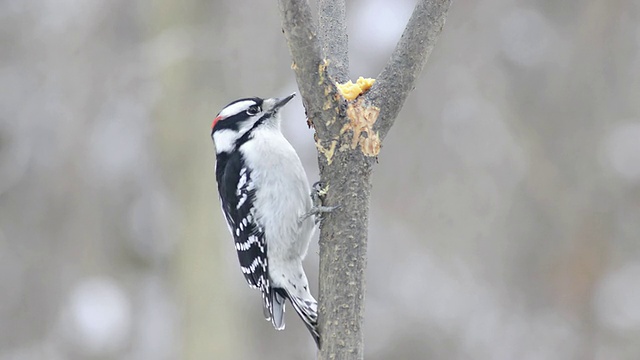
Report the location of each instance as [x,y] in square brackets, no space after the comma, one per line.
[351,91]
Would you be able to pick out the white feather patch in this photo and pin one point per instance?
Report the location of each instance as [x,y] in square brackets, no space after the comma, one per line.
[236,108]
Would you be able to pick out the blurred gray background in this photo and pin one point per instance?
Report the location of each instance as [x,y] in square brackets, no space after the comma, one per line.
[505,219]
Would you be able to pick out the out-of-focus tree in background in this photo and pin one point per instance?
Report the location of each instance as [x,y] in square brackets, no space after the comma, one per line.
[505,220]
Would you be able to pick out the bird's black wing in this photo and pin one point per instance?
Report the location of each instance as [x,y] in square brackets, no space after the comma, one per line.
[237,194]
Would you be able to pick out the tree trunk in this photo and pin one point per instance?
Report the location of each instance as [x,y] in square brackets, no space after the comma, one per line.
[348,138]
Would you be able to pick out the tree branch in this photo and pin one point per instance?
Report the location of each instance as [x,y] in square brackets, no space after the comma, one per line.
[398,77]
[300,33]
[333,37]
[313,70]
[348,143]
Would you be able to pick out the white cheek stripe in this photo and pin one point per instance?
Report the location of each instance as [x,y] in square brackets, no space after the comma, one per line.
[236,108]
[225,140]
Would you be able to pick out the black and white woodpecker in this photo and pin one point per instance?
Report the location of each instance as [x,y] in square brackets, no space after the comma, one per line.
[264,193]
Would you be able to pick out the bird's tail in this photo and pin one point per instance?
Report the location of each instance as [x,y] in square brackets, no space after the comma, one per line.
[274,308]
[307,308]
[303,303]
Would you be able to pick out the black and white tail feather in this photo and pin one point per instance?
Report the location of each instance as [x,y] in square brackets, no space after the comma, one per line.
[264,195]
[306,309]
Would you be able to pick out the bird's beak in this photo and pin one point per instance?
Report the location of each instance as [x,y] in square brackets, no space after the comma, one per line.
[282,102]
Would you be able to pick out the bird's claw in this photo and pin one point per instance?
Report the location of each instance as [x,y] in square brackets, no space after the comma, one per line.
[318,192]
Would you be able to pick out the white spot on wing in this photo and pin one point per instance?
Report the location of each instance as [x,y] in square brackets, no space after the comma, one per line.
[244,246]
[254,264]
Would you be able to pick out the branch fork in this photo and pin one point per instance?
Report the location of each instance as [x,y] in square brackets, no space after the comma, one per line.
[349,135]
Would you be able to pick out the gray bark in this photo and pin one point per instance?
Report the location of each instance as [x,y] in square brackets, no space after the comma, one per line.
[348,138]
[333,38]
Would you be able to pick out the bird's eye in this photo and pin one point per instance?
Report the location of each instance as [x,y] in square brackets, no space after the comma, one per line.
[253,109]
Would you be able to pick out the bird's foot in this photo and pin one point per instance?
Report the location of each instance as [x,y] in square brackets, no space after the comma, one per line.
[318,192]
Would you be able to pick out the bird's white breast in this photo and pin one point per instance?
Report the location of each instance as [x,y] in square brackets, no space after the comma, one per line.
[282,192]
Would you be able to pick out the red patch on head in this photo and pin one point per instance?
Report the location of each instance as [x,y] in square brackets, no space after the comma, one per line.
[215,121]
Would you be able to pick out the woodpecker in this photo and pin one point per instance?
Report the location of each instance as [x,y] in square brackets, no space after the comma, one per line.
[264,194]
